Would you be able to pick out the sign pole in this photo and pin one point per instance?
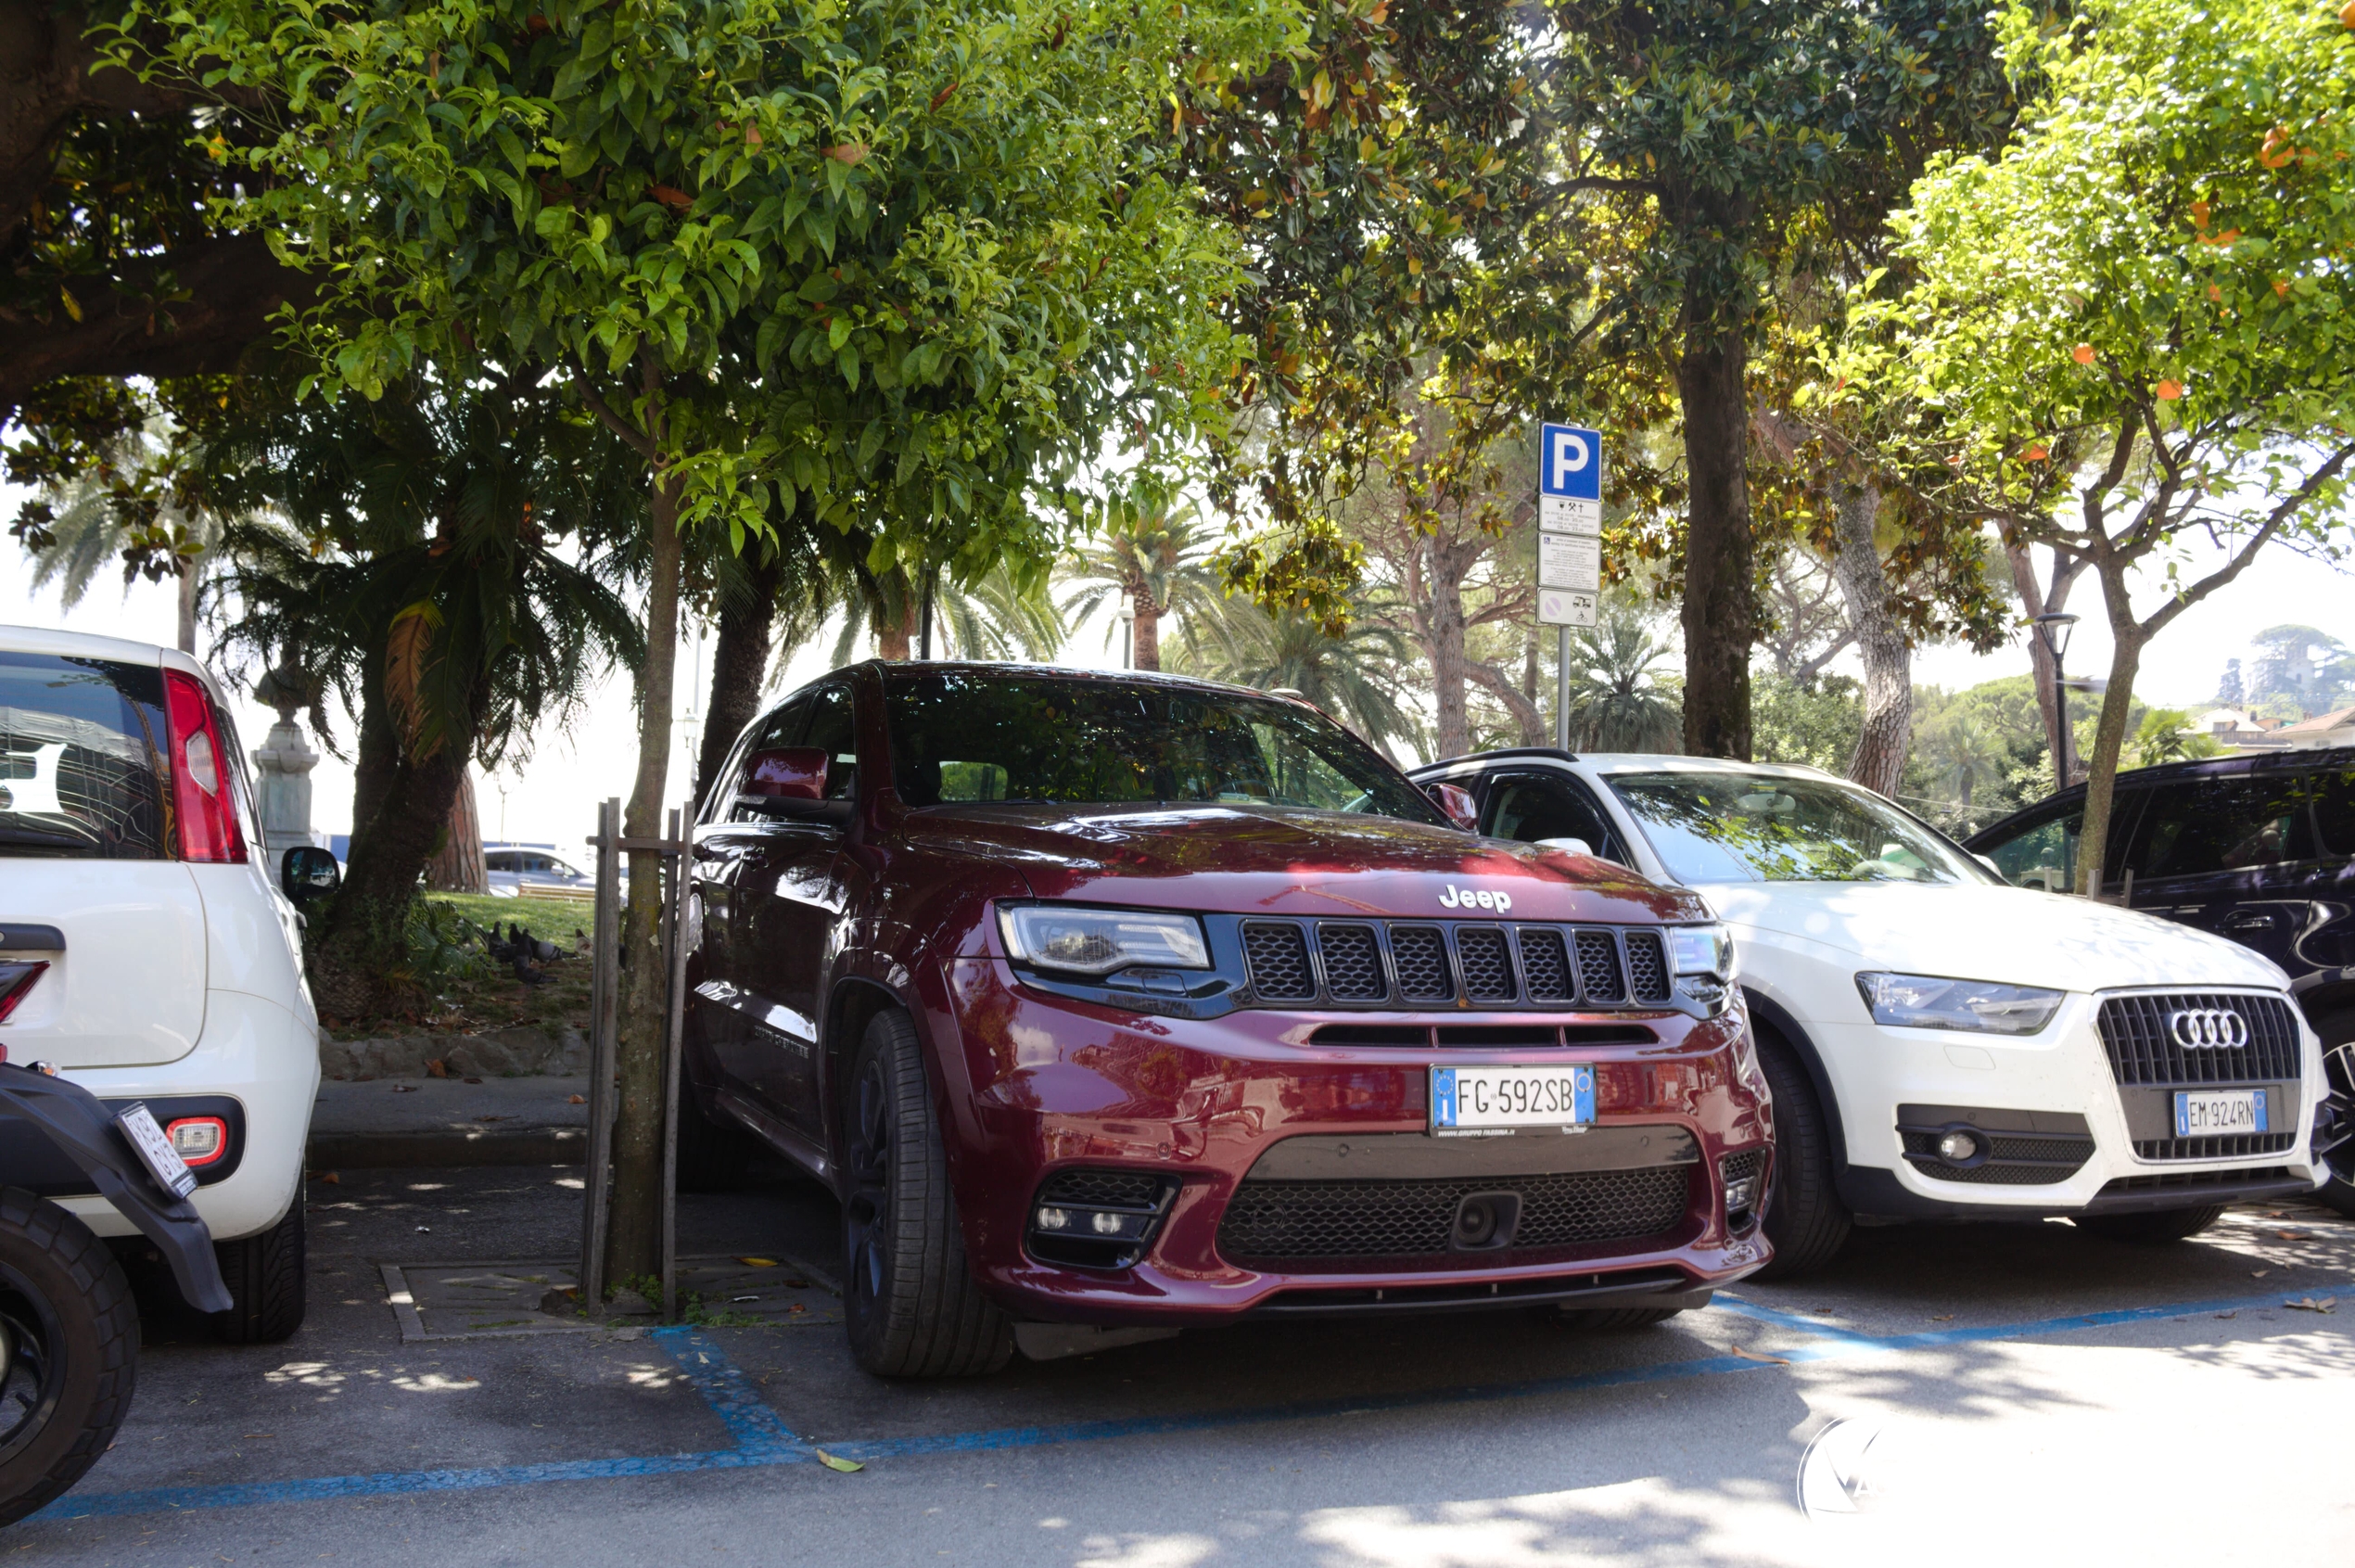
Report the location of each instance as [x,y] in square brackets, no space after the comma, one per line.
[1561,691]
[1569,545]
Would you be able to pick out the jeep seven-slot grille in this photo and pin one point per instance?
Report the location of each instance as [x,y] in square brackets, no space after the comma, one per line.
[2138,1033]
[1481,963]
[1276,1223]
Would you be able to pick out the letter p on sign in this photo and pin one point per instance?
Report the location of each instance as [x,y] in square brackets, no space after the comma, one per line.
[1570,462]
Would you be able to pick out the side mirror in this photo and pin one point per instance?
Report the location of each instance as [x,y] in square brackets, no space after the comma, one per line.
[1456,802]
[308,871]
[1989,862]
[786,772]
[791,780]
[1567,845]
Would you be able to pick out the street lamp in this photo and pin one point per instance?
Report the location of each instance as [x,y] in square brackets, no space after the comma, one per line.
[2051,630]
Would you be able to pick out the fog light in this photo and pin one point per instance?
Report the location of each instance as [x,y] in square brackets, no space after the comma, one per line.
[1956,1147]
[1106,1224]
[1052,1220]
[1739,1194]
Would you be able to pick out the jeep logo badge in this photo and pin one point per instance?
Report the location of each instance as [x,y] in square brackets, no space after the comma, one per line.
[1466,898]
[2208,1028]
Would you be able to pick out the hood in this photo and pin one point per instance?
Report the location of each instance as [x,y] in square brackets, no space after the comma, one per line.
[2014,934]
[1250,859]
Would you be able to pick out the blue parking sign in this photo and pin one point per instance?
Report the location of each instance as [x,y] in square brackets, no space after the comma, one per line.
[1570,462]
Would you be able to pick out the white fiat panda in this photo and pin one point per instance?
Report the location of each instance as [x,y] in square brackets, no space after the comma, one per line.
[146,951]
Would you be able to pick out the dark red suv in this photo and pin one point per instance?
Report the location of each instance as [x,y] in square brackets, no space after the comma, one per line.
[1124,999]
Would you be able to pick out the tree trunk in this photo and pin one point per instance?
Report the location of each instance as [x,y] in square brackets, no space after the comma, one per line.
[457,866]
[2109,736]
[1144,631]
[895,640]
[1721,607]
[2033,597]
[739,668]
[1444,617]
[633,1247]
[1880,761]
[190,574]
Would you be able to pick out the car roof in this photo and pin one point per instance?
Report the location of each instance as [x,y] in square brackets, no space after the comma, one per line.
[85,645]
[2247,763]
[908,670]
[1637,762]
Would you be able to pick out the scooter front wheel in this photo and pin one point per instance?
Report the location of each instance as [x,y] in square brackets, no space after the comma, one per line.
[69,1349]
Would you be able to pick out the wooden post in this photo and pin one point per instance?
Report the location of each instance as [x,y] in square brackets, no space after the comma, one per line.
[681,860]
[604,989]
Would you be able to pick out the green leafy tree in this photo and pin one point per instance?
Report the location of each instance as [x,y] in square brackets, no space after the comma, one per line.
[1152,548]
[906,262]
[2161,737]
[2133,324]
[1352,675]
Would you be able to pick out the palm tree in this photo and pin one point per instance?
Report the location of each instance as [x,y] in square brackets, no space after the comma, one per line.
[994,616]
[1354,676]
[1153,549]
[1964,753]
[1616,702]
[93,528]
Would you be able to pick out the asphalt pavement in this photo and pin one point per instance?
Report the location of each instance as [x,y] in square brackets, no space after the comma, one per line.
[2029,1391]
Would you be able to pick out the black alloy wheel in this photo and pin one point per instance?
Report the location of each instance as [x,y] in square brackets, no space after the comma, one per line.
[2334,1124]
[909,1297]
[68,1347]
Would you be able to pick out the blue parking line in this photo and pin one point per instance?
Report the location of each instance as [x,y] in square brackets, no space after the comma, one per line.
[1741,1308]
[763,1440]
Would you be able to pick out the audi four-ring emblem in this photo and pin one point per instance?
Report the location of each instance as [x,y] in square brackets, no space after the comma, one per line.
[2208,1028]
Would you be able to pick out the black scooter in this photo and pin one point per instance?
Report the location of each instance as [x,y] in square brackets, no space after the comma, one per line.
[68,1332]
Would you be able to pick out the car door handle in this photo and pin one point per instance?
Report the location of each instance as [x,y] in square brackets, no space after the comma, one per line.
[2249,920]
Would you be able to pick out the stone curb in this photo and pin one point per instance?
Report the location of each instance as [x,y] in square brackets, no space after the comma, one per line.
[518,1146]
[524,1051]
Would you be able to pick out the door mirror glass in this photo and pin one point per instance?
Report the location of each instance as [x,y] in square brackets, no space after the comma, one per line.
[786,772]
[308,872]
[1456,802]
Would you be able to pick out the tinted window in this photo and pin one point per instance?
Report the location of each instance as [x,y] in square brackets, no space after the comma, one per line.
[1766,827]
[972,737]
[2334,813]
[1528,807]
[2043,853]
[79,739]
[2197,827]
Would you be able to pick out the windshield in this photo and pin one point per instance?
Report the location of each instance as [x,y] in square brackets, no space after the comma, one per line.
[1762,827]
[962,736]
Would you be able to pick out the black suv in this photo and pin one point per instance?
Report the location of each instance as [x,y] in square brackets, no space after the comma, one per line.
[2258,849]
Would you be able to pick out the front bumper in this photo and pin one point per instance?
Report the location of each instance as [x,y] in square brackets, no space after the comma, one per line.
[1032,1086]
[2049,1099]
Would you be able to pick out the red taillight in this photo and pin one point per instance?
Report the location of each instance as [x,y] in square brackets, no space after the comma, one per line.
[198,1141]
[200,774]
[17,978]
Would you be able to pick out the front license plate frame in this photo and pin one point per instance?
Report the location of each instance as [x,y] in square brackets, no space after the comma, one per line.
[1490,1101]
[2222,1113]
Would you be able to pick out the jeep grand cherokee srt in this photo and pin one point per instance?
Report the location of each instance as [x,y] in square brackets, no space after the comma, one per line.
[1142,1002]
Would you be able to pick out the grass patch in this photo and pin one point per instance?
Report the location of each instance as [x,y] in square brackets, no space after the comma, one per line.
[458,989]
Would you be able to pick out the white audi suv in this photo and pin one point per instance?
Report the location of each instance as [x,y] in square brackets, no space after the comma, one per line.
[1943,1045]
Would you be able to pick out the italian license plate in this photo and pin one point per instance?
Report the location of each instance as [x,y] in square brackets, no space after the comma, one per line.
[155,1150]
[1465,1099]
[2207,1113]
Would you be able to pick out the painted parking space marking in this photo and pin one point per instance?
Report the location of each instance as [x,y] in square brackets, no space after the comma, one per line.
[763,1440]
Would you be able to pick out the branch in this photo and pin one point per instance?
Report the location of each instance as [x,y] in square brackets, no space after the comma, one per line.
[635,439]
[1501,686]
[189,311]
[2274,520]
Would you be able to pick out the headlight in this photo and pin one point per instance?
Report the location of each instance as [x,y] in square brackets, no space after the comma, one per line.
[1702,950]
[1092,941]
[1931,1002]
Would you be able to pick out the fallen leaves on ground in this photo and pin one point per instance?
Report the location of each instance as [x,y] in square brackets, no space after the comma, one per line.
[2294,1235]
[758,1262]
[577,1100]
[1754,1355]
[437,1068]
[1942,1317]
[2258,1273]
[2314,1303]
[845,1466]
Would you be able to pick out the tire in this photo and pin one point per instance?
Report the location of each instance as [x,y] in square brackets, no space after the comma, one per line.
[73,1350]
[1598,1319]
[2338,1030]
[264,1274]
[2154,1228]
[714,1155]
[1805,1221]
[909,1297]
